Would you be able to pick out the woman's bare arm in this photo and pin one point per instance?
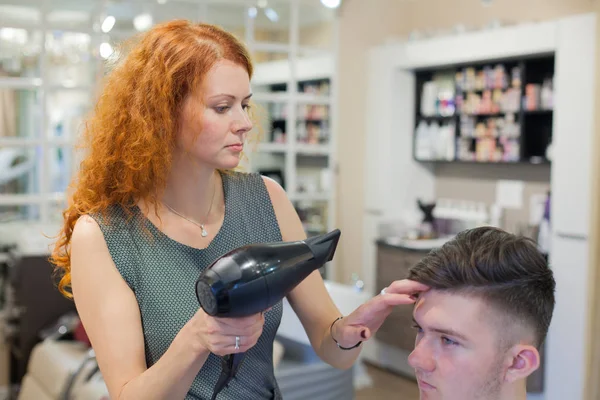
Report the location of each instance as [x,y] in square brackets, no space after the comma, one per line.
[110,314]
[310,300]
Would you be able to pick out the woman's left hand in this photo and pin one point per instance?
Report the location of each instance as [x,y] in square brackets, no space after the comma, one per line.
[363,322]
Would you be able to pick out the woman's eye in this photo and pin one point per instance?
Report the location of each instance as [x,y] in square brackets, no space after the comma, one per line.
[418,328]
[448,342]
[221,110]
[246,107]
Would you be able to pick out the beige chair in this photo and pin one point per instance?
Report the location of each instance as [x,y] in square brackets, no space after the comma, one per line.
[57,370]
[64,370]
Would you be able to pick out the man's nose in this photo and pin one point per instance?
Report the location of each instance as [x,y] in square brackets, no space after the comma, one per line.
[421,358]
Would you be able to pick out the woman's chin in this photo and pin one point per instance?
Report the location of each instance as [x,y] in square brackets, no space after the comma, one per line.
[229,163]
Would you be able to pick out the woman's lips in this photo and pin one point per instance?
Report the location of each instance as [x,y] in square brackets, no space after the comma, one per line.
[236,147]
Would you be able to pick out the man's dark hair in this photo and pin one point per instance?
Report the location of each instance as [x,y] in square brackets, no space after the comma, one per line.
[505,270]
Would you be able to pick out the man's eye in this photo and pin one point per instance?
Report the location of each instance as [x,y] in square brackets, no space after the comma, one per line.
[448,342]
[418,328]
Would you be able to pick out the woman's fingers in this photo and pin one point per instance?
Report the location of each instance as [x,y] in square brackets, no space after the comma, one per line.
[406,286]
[393,299]
[231,328]
[244,322]
[238,343]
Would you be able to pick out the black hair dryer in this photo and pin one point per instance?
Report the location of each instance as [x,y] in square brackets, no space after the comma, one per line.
[253,278]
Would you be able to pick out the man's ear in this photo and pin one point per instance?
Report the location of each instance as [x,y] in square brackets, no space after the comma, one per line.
[523,360]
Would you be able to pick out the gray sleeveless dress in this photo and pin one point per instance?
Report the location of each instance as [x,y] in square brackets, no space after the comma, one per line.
[162,273]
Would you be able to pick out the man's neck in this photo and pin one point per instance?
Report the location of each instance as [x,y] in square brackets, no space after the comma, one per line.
[516,391]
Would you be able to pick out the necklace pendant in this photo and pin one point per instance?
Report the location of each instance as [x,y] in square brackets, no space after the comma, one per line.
[204,233]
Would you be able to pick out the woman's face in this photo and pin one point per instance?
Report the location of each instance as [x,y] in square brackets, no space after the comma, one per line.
[217,118]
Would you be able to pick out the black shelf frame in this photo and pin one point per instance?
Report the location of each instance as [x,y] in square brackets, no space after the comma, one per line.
[535,125]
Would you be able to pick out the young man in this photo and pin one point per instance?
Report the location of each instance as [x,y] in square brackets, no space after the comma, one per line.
[481,324]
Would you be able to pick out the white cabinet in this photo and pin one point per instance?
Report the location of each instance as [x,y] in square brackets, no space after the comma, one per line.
[573,126]
[566,342]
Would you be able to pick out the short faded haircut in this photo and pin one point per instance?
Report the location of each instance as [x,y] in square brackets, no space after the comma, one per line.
[507,271]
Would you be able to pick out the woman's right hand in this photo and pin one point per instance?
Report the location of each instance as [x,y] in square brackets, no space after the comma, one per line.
[218,335]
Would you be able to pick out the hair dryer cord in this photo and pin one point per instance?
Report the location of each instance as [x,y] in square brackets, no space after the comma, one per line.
[229,366]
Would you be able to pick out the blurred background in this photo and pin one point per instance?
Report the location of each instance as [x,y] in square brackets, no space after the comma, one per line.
[401,122]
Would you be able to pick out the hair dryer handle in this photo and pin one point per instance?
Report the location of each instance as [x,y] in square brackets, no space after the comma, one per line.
[229,367]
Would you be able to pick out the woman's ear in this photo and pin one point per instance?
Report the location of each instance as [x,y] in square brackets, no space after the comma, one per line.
[523,361]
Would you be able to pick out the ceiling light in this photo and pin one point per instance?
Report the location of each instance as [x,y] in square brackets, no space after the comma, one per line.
[108,24]
[262,3]
[142,22]
[331,3]
[272,15]
[161,1]
[252,12]
[106,50]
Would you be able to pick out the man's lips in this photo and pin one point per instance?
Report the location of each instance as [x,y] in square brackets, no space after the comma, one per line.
[423,385]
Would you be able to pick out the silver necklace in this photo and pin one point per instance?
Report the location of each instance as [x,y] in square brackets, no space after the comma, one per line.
[198,224]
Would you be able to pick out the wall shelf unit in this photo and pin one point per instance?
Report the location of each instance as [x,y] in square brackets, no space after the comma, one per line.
[296,145]
[492,112]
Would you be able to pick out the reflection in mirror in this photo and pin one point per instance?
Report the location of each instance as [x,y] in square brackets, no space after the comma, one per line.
[19,109]
[60,168]
[14,14]
[73,15]
[69,59]
[66,110]
[55,209]
[19,52]
[11,213]
[18,170]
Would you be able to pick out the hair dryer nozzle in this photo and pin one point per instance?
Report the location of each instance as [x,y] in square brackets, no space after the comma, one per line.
[323,246]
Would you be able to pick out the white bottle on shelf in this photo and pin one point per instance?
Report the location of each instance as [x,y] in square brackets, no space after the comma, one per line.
[422,142]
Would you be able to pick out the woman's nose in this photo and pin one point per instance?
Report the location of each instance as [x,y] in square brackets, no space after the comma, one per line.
[243,123]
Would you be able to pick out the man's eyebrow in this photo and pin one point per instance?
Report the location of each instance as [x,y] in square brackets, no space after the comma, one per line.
[229,96]
[448,332]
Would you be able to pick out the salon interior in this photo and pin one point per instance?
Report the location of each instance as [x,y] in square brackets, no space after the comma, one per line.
[399,122]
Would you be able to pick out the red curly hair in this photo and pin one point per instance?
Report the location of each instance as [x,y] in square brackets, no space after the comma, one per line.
[131,134]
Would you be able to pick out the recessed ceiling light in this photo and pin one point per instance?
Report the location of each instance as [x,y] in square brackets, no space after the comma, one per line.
[331,3]
[272,14]
[106,50]
[108,24]
[142,22]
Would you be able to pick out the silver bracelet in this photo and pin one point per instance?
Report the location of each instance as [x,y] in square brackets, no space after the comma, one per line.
[336,342]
